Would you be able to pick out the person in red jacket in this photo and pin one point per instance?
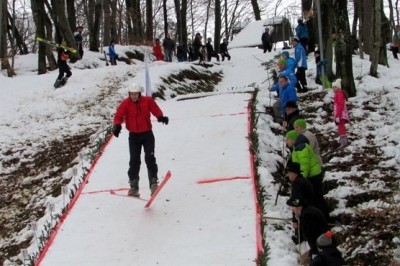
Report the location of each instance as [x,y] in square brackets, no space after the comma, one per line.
[158,51]
[135,111]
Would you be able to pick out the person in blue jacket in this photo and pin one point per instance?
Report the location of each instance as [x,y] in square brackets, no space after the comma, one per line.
[285,70]
[302,33]
[290,62]
[300,57]
[111,52]
[287,93]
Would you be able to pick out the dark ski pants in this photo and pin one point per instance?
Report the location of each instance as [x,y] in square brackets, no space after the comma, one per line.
[319,200]
[395,51]
[301,79]
[225,54]
[62,69]
[213,54]
[136,142]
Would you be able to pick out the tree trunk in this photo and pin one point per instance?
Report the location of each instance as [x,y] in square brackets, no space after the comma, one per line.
[5,64]
[217,27]
[62,24]
[149,20]
[93,14]
[128,17]
[327,35]
[256,9]
[21,45]
[113,22]
[343,48]
[360,11]
[207,19]
[373,71]
[226,19]
[71,14]
[385,37]
[391,16]
[107,22]
[177,5]
[38,12]
[49,49]
[165,15]
[184,23]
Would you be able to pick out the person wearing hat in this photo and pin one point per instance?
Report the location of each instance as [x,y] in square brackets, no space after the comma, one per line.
[292,113]
[286,93]
[63,67]
[135,111]
[340,113]
[302,33]
[303,154]
[78,39]
[312,222]
[266,39]
[300,126]
[197,44]
[300,57]
[290,63]
[300,188]
[328,255]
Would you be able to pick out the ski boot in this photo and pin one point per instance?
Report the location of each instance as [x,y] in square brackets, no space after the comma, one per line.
[57,84]
[134,192]
[153,188]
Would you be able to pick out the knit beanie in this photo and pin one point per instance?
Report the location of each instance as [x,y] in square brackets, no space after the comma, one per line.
[325,240]
[292,134]
[300,123]
[337,84]
[293,167]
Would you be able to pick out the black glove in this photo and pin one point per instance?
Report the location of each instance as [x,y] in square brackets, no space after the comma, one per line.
[163,119]
[117,130]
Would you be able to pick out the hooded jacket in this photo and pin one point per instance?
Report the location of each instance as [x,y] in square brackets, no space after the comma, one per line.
[137,114]
[300,56]
[304,155]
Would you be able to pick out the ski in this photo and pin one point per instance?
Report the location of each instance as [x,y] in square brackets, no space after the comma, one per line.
[160,186]
[112,192]
[105,56]
[72,50]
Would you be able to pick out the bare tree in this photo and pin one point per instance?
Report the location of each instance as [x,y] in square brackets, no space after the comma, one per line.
[207,19]
[38,12]
[71,14]
[149,20]
[343,48]
[217,27]
[256,9]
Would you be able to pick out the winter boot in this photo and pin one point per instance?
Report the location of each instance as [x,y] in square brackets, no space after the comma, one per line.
[133,192]
[153,188]
[57,84]
[343,140]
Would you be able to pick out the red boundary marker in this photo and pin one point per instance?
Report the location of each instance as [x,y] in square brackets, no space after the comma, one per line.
[241,113]
[214,180]
[63,217]
[259,241]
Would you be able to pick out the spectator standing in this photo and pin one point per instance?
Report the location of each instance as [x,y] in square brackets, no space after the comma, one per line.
[340,113]
[210,51]
[302,33]
[196,46]
[300,126]
[223,49]
[157,51]
[266,39]
[396,42]
[78,39]
[169,47]
[113,55]
[300,57]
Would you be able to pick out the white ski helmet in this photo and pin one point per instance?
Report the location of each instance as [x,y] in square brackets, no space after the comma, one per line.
[135,88]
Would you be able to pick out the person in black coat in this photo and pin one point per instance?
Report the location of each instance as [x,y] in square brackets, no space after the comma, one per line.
[266,41]
[223,49]
[292,113]
[196,46]
[312,222]
[328,255]
[210,51]
[78,39]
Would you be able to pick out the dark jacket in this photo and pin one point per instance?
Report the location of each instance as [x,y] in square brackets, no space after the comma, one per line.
[266,38]
[329,256]
[302,188]
[196,45]
[210,49]
[169,44]
[291,118]
[314,224]
[136,115]
[223,48]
